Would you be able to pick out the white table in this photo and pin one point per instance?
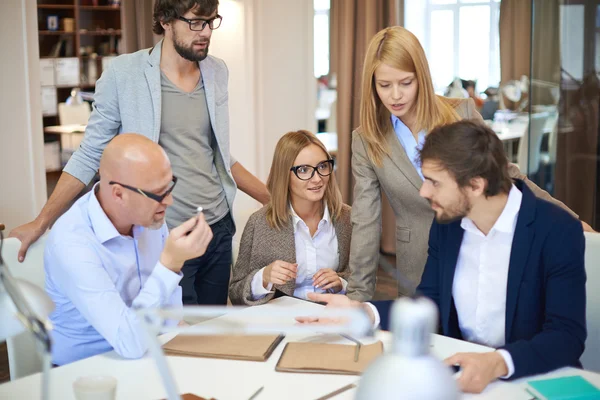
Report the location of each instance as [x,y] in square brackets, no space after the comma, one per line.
[228,379]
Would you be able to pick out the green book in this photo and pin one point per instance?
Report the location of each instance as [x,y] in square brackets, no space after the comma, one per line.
[567,388]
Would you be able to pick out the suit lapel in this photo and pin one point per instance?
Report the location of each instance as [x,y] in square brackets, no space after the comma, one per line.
[448,257]
[152,73]
[208,79]
[519,254]
[399,157]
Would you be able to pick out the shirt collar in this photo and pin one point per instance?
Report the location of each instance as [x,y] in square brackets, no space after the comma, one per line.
[507,220]
[400,127]
[397,123]
[101,224]
[296,219]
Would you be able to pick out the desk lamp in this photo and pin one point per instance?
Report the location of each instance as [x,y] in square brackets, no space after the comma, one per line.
[409,371]
[25,307]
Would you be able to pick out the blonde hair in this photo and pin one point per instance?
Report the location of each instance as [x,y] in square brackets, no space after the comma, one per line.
[278,183]
[400,49]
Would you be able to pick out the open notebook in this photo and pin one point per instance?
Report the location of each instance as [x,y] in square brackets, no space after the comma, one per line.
[235,347]
[324,358]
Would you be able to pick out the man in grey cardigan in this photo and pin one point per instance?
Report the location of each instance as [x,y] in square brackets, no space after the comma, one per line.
[176,95]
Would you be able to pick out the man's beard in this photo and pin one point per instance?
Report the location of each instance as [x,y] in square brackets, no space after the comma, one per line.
[156,225]
[187,52]
[454,212]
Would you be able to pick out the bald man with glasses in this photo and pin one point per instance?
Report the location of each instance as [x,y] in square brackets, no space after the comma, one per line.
[112,253]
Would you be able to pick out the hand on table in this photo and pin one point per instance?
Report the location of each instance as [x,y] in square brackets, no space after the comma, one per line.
[333,301]
[478,369]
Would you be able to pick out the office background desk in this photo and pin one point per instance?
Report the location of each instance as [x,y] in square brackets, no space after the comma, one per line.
[230,379]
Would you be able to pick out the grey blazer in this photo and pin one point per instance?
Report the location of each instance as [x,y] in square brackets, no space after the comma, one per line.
[128,100]
[261,245]
[398,178]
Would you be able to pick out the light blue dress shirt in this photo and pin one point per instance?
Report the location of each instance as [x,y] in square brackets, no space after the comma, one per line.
[98,277]
[407,140]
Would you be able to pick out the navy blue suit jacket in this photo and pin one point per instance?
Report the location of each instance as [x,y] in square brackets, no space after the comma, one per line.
[545,294]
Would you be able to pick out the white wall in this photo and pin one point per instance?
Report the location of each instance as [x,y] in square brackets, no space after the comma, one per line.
[285,83]
[22,175]
[268,47]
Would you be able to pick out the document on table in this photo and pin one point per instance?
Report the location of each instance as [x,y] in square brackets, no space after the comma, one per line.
[325,358]
[235,347]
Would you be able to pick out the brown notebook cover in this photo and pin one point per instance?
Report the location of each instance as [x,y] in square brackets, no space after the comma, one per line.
[324,358]
[236,347]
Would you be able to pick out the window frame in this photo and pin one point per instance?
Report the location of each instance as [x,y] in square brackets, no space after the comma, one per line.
[494,35]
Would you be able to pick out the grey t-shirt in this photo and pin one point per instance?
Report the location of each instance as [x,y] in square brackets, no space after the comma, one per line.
[189,141]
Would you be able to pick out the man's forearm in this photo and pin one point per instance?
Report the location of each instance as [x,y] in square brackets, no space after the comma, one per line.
[250,184]
[65,191]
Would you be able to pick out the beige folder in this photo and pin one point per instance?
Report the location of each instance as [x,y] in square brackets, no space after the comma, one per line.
[323,358]
[236,347]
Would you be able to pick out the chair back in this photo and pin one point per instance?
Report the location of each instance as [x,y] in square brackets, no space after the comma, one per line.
[530,144]
[23,356]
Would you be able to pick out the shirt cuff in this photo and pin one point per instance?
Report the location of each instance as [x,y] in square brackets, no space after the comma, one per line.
[163,282]
[344,286]
[376,314]
[258,290]
[510,365]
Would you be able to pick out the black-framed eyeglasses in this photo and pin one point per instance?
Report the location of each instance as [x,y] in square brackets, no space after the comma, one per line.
[306,172]
[155,197]
[198,24]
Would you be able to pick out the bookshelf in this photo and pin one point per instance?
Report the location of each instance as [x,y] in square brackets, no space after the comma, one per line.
[70,32]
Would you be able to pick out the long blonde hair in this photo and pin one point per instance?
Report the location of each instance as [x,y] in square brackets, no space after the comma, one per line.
[278,183]
[400,49]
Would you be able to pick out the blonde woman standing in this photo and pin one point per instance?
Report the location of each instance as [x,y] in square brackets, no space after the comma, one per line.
[299,242]
[397,109]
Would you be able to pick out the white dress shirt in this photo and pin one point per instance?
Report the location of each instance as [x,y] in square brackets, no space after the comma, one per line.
[98,277]
[480,278]
[312,254]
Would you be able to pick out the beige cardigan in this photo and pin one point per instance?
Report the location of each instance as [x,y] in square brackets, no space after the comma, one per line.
[261,245]
[398,178]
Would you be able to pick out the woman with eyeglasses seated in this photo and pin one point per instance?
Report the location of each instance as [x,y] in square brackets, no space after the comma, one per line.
[299,242]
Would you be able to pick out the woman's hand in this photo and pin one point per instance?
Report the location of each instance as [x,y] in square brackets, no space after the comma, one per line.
[327,278]
[278,273]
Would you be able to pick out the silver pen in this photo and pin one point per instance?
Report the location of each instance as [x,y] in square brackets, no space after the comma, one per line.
[338,391]
[260,389]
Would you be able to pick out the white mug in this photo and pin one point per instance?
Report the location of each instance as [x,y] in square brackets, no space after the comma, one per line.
[95,388]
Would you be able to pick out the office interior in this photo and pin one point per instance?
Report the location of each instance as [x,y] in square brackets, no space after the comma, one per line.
[531,66]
